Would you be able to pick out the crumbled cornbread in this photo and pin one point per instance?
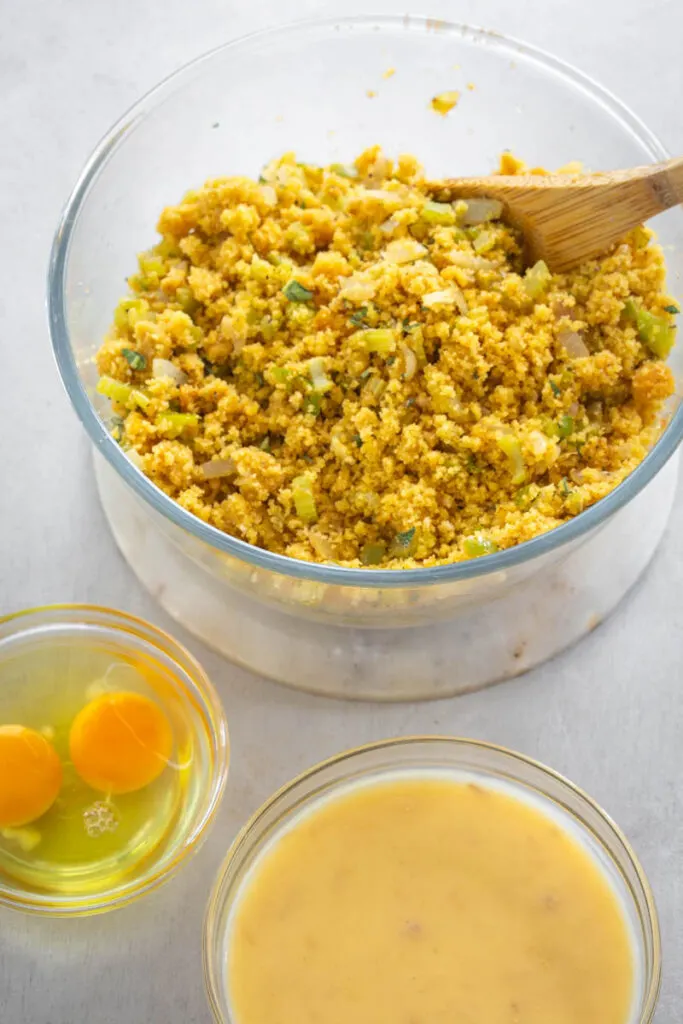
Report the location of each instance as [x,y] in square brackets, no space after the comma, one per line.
[330,365]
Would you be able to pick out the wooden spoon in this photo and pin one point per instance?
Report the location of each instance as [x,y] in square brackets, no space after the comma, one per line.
[570,218]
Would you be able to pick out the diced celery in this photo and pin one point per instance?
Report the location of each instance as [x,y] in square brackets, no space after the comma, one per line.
[373,552]
[129,312]
[280,374]
[479,545]
[115,390]
[187,301]
[313,401]
[438,213]
[344,170]
[316,368]
[657,332]
[565,426]
[174,424]
[139,398]
[304,502]
[509,444]
[378,339]
[484,241]
[152,265]
[537,279]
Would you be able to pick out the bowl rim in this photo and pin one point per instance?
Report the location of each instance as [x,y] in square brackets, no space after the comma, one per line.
[219,888]
[200,690]
[217,540]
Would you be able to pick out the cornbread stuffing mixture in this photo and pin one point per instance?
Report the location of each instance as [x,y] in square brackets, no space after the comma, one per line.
[329,364]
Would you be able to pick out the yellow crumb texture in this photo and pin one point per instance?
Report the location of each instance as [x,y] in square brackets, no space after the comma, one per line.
[329,364]
[444,102]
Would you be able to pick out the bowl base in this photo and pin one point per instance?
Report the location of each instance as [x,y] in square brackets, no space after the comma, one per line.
[479,645]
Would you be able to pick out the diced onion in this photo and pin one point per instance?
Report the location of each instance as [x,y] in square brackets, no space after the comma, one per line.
[269,194]
[446,297]
[165,368]
[468,261]
[389,226]
[404,250]
[322,545]
[357,289]
[573,344]
[217,468]
[410,360]
[480,210]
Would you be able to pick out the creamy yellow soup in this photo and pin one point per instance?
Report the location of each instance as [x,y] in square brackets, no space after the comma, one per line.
[428,901]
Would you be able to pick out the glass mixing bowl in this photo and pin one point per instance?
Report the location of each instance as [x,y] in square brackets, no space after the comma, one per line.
[462,759]
[307,87]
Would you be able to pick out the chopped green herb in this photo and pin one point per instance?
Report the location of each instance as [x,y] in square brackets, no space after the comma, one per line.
[265,444]
[358,440]
[373,552]
[472,464]
[313,401]
[359,316]
[404,543]
[296,292]
[409,326]
[674,310]
[135,360]
[554,388]
[366,373]
[409,401]
[565,426]
[565,486]
[475,375]
[259,378]
[391,360]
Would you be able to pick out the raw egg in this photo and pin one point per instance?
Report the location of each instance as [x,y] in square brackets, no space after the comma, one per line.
[120,742]
[30,775]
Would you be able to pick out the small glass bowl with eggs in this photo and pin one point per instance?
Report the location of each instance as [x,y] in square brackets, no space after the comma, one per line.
[114,755]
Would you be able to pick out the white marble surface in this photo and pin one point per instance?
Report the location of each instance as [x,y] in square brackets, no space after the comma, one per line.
[607,713]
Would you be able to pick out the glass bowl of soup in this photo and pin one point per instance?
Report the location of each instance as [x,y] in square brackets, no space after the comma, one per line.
[431,878]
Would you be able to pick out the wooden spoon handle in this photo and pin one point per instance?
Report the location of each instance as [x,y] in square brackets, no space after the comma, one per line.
[566,218]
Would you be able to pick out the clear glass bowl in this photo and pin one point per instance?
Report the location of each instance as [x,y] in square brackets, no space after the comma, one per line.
[305,88]
[461,758]
[60,633]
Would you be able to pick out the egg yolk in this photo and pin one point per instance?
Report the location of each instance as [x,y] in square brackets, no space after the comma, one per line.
[30,775]
[120,742]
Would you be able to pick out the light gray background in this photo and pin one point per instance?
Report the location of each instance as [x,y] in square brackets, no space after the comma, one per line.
[608,713]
